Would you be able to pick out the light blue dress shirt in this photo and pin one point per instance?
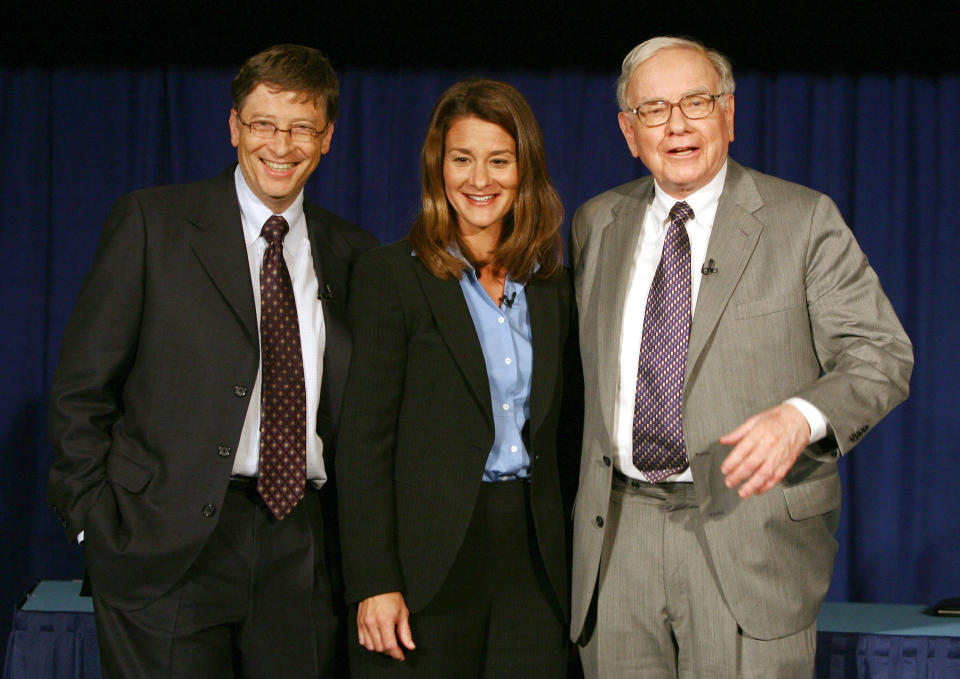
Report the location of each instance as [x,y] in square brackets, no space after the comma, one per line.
[506,340]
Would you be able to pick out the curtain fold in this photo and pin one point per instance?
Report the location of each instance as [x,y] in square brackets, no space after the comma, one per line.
[883,147]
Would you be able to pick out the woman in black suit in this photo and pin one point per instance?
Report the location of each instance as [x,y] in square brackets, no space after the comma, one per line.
[451,516]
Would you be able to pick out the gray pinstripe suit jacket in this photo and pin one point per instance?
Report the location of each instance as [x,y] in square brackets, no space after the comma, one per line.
[793,310]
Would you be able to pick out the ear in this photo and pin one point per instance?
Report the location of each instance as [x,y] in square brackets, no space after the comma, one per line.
[327,136]
[627,120]
[234,128]
[728,115]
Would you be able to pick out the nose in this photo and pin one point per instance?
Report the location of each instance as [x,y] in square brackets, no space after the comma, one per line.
[281,143]
[480,177]
[677,122]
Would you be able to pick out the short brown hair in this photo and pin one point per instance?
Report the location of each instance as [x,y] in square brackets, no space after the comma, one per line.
[290,68]
[530,242]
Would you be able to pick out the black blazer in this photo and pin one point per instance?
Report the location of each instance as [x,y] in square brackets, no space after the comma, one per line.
[417,427]
[156,368]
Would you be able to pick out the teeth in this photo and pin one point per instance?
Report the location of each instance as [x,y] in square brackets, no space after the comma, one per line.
[481,199]
[281,167]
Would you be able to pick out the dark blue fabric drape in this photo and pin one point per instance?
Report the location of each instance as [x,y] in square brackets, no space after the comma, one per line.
[876,656]
[884,147]
[54,645]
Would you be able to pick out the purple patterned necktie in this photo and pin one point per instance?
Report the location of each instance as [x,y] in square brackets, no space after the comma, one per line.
[283,403]
[658,448]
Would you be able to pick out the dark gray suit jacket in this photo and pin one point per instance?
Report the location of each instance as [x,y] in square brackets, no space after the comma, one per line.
[157,364]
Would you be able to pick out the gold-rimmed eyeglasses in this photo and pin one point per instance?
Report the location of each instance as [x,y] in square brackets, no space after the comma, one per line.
[694,106]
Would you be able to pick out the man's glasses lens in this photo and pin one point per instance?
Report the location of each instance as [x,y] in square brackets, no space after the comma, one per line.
[265,130]
[693,106]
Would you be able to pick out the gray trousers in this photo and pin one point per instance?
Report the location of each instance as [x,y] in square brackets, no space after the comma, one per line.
[660,611]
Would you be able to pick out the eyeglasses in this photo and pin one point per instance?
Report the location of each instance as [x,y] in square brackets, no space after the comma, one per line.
[264,129]
[693,106]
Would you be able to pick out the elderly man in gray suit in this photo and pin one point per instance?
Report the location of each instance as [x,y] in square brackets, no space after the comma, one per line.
[735,343]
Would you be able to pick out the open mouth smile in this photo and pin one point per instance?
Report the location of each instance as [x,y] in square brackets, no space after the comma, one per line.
[278,167]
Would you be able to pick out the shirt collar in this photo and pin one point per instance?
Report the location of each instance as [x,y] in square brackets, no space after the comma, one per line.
[703,201]
[255,214]
[508,283]
[454,249]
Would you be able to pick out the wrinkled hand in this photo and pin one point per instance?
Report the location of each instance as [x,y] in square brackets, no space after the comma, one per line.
[383,624]
[765,448]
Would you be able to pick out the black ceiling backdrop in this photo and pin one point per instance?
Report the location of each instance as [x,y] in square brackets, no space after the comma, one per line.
[842,36]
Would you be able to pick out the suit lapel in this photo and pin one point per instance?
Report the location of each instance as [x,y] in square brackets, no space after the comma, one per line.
[222,251]
[453,321]
[732,241]
[331,256]
[545,331]
[614,266]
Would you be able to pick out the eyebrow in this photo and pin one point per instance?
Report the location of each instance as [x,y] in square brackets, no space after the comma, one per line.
[468,152]
[295,121]
[696,90]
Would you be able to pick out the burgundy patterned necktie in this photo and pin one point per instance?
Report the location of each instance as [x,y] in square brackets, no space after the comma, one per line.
[283,402]
[658,448]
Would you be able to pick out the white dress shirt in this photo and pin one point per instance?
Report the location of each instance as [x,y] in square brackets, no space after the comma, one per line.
[646,259]
[297,254]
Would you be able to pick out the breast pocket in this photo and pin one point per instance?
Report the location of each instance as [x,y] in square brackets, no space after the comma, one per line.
[770,305]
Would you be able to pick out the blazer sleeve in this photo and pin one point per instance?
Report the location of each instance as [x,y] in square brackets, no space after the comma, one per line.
[368,426]
[99,345]
[864,351]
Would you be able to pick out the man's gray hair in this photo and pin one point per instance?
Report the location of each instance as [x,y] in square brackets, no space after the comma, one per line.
[648,48]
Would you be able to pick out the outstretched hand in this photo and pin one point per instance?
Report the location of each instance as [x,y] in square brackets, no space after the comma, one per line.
[765,448]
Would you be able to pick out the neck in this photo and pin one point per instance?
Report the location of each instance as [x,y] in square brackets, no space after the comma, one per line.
[481,243]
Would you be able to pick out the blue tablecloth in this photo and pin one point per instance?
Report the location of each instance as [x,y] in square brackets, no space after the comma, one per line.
[886,641]
[53,637]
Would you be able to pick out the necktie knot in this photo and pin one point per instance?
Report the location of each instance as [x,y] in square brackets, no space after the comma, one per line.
[681,212]
[274,229]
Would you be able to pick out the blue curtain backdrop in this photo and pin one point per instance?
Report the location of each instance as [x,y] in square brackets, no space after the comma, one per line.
[884,147]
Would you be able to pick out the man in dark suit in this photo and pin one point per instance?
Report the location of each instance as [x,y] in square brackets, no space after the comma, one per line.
[195,405]
[735,343]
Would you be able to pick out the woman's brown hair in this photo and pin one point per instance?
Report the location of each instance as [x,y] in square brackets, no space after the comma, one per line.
[530,242]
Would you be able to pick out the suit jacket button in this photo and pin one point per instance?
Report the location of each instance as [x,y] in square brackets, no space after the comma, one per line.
[606,460]
[599,521]
[223,451]
[208,510]
[240,391]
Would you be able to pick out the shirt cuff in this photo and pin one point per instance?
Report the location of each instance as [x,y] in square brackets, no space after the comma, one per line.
[816,419]
[80,538]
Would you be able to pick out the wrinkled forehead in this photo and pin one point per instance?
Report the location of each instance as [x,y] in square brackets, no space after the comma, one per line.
[672,73]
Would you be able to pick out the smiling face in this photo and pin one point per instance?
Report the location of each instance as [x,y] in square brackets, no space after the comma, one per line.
[276,169]
[480,175]
[682,155]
